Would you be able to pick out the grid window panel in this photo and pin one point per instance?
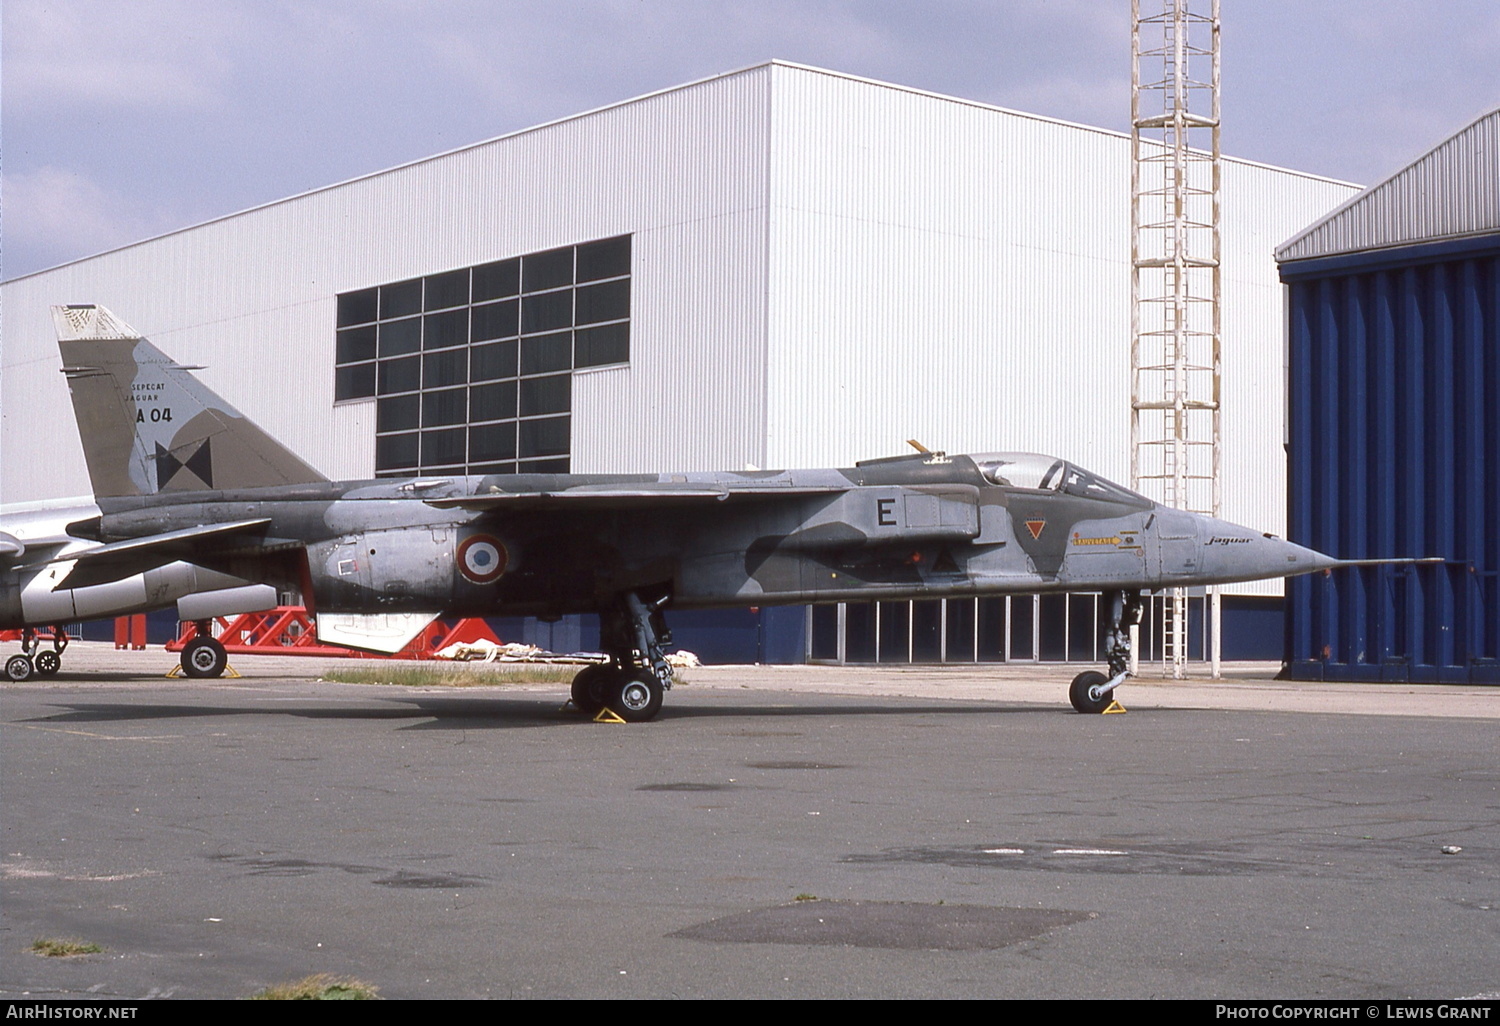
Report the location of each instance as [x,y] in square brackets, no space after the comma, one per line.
[547,270]
[547,437]
[398,413]
[443,447]
[396,452]
[445,290]
[491,442]
[497,360]
[403,375]
[497,280]
[401,299]
[400,337]
[609,343]
[358,307]
[449,328]
[449,367]
[607,258]
[547,311]
[450,406]
[355,344]
[495,320]
[544,354]
[492,402]
[551,394]
[472,368]
[607,301]
[552,466]
[357,381]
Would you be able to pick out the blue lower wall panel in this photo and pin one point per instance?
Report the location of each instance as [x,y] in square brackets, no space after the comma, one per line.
[772,634]
[1251,628]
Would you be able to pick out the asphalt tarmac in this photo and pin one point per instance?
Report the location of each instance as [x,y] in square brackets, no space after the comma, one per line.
[802,832]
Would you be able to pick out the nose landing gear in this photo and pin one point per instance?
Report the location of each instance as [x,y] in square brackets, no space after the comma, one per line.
[1091,691]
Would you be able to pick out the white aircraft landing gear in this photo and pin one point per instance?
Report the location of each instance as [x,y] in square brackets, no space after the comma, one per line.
[635,680]
[1092,691]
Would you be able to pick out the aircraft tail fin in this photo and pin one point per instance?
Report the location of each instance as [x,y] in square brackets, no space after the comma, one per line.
[149,426]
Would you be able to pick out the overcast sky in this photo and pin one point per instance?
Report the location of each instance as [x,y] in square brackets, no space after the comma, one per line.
[122,120]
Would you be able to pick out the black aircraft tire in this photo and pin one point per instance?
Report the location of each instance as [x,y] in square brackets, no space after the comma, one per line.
[1079,695]
[591,688]
[19,668]
[636,698]
[204,657]
[46,663]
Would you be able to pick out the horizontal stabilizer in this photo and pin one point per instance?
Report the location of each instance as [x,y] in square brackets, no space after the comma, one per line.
[119,560]
[373,632]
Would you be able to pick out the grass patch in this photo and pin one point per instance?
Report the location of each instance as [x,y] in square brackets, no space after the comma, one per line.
[460,676]
[465,675]
[63,947]
[321,987]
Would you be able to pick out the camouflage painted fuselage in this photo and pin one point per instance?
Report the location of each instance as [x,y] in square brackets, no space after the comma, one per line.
[923,526]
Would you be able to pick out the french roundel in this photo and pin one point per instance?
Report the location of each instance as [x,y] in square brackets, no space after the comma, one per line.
[481,559]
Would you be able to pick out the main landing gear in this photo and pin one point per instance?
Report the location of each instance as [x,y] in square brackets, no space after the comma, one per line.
[203,655]
[32,663]
[1092,691]
[637,676]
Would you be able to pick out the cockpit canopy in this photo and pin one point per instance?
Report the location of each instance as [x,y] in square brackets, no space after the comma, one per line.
[1050,474]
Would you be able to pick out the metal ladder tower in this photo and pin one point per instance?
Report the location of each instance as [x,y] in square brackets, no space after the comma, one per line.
[1175,280]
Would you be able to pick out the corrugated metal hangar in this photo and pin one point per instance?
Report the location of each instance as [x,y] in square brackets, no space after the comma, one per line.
[1394,345]
[779,266]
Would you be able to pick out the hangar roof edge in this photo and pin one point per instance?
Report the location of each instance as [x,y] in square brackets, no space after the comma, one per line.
[1452,191]
[772,63]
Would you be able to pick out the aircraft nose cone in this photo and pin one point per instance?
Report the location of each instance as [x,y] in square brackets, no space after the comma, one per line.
[1238,553]
[1303,559]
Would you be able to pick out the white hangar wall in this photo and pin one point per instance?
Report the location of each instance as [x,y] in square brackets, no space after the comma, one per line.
[253,295]
[822,267]
[959,274]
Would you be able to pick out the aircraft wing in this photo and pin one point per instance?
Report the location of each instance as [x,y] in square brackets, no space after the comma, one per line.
[604,498]
[18,554]
[119,560]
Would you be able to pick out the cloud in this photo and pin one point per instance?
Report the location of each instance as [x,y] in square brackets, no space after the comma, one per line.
[121,111]
[66,217]
[163,54]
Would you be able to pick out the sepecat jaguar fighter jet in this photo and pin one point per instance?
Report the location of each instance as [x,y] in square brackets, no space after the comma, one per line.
[180,475]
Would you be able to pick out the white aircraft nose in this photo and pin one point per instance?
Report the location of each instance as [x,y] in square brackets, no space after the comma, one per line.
[1304,559]
[1235,553]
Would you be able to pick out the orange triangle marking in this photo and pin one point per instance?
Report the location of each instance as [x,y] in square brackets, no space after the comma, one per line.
[1035,527]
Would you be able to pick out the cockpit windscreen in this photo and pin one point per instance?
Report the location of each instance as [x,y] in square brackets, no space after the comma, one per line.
[1047,473]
